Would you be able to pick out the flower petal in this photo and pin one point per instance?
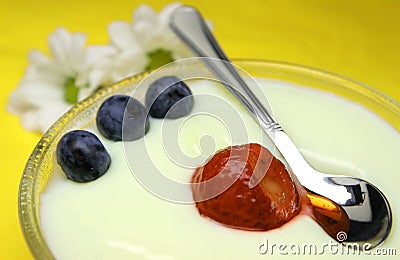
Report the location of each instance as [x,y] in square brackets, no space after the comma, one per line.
[96,54]
[29,121]
[144,13]
[48,115]
[36,58]
[75,52]
[67,50]
[121,35]
[37,93]
[164,15]
[128,63]
[16,103]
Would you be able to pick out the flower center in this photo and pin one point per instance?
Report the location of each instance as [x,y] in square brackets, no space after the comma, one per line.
[71,90]
[158,58]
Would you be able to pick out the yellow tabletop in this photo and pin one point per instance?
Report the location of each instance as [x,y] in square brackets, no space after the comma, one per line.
[357,38]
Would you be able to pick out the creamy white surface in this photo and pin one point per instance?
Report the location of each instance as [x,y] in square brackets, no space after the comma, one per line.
[115,217]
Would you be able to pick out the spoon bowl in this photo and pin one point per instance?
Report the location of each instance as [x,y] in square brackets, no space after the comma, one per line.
[368,210]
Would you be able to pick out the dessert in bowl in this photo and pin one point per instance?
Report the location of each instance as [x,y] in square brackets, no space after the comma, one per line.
[344,127]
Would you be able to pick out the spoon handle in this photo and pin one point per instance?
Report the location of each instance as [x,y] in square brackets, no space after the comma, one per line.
[190,26]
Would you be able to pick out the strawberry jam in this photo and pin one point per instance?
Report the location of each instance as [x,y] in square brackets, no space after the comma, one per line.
[222,189]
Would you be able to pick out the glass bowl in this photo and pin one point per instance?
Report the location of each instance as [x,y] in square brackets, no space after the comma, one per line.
[40,164]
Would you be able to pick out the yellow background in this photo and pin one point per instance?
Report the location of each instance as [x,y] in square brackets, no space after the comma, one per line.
[357,38]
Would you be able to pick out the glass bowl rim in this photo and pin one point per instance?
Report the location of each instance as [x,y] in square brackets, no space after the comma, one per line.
[28,201]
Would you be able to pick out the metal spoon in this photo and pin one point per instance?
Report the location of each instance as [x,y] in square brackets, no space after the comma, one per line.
[366,206]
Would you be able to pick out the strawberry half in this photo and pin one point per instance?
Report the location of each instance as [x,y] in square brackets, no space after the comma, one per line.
[245,187]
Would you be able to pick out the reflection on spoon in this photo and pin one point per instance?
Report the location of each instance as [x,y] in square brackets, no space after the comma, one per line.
[330,216]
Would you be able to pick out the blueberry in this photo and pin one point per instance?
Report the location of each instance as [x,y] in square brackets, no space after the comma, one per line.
[121,117]
[82,156]
[169,97]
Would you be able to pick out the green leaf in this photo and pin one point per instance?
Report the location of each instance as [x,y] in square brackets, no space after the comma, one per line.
[71,91]
[158,58]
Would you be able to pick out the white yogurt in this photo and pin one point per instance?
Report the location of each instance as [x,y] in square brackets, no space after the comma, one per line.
[115,217]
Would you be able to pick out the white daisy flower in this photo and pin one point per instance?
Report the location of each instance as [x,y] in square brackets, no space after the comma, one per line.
[147,42]
[52,84]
